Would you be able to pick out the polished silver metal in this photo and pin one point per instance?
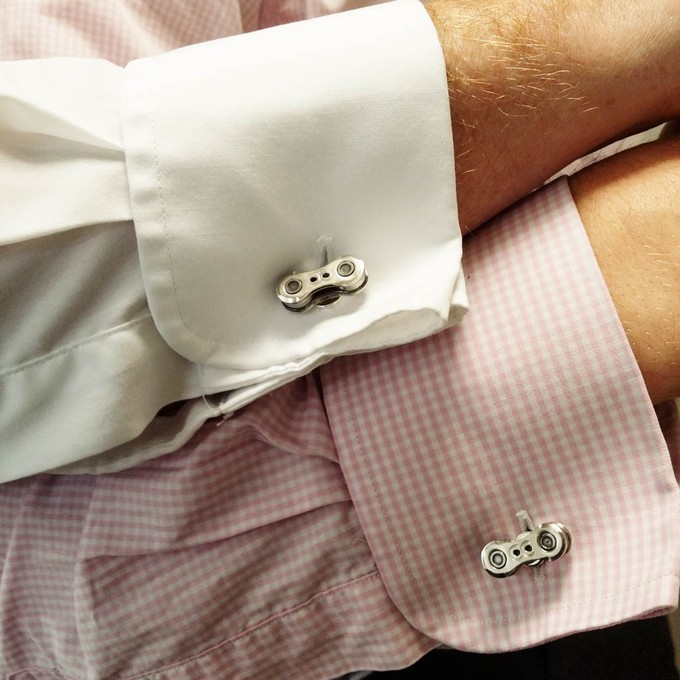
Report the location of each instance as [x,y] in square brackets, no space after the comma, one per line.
[527,524]
[293,286]
[346,268]
[321,287]
[543,543]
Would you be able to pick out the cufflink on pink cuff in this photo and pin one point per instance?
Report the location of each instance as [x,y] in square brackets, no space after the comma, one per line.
[299,292]
[533,546]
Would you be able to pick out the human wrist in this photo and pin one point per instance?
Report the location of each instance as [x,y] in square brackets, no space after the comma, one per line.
[629,208]
[530,92]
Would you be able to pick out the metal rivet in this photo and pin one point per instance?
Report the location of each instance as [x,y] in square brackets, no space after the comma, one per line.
[293,286]
[498,559]
[547,541]
[345,269]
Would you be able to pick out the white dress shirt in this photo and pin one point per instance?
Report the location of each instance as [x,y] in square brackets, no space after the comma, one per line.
[149,213]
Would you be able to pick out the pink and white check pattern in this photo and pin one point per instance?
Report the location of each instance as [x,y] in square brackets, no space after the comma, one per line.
[336,523]
[122,30]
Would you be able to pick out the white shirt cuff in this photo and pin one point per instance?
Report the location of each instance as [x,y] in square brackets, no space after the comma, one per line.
[243,153]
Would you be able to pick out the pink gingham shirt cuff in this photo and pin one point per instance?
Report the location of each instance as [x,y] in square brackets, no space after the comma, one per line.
[535,403]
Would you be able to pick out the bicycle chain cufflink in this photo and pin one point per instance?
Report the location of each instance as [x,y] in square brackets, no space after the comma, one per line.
[322,287]
[532,547]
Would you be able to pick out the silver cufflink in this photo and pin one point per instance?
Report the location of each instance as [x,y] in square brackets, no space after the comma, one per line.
[532,547]
[324,286]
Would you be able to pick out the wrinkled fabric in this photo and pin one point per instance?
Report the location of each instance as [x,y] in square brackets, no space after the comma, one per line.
[336,523]
[173,196]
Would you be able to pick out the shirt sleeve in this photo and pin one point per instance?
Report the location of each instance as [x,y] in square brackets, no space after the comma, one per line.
[150,212]
[336,524]
[244,154]
[534,403]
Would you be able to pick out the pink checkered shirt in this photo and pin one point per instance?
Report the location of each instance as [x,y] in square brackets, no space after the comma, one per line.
[336,524]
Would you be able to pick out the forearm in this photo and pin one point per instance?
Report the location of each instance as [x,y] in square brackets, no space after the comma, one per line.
[630,207]
[535,85]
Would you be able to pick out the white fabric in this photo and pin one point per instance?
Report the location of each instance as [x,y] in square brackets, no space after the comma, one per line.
[240,154]
[249,188]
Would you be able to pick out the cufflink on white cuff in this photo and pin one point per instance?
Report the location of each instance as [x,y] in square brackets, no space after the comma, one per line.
[533,546]
[322,287]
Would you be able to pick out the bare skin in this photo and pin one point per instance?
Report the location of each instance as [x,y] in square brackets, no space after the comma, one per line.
[535,85]
[630,207]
